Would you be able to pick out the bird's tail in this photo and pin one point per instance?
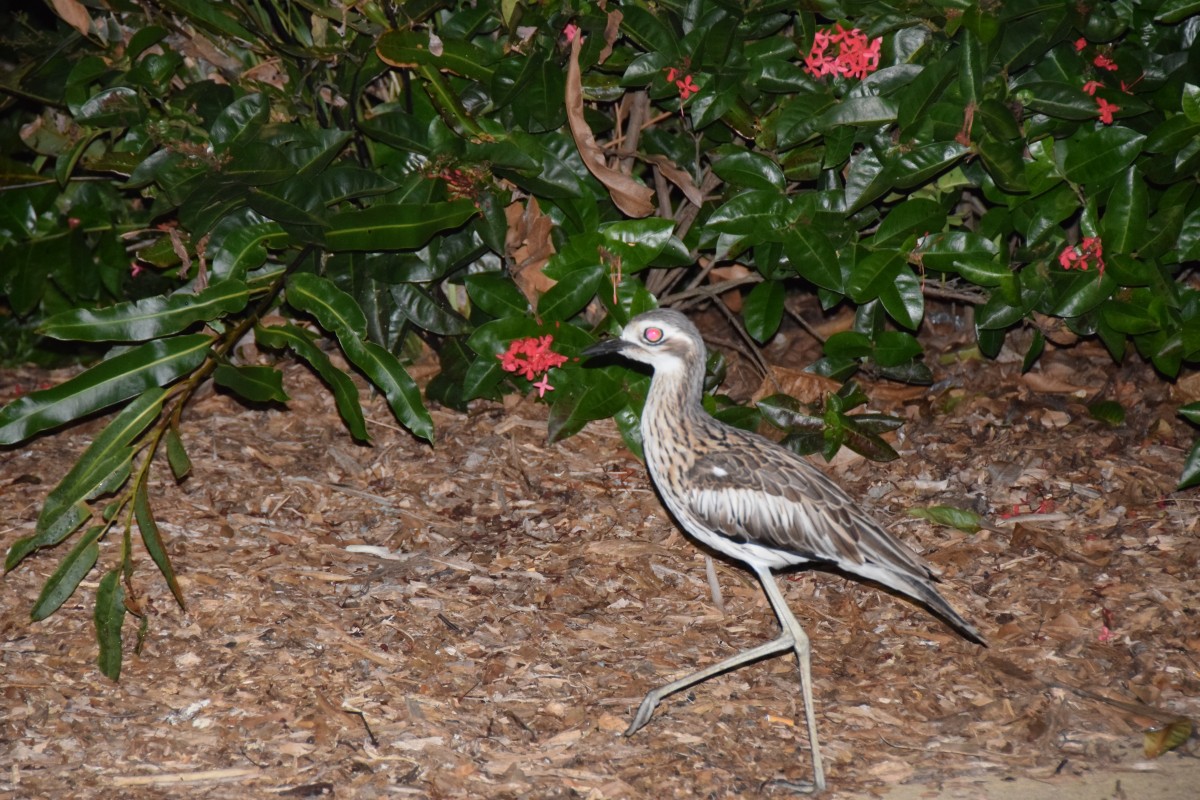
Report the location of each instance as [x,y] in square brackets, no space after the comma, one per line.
[923,591]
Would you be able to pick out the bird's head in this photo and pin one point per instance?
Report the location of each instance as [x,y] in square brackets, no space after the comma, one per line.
[664,339]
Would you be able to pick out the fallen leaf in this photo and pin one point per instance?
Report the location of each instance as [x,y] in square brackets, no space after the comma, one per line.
[631,197]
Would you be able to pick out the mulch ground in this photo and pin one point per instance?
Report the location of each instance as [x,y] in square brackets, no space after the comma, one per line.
[481,619]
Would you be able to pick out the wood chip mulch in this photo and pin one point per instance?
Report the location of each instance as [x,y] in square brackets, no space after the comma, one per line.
[481,619]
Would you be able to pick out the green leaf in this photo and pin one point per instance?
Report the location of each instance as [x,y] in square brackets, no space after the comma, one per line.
[147,366]
[395,227]
[962,519]
[240,121]
[1107,411]
[411,48]
[150,318]
[903,300]
[918,215]
[813,257]
[867,111]
[872,273]
[568,297]
[1124,223]
[1034,352]
[1191,469]
[745,168]
[637,241]
[893,348]
[335,310]
[345,393]
[254,383]
[1190,412]
[386,372]
[496,294]
[109,616]
[1173,11]
[426,313]
[73,568]
[755,212]
[1058,100]
[1093,156]
[763,310]
[602,396]
[177,455]
[152,539]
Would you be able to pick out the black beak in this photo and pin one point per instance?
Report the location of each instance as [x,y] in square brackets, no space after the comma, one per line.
[607,347]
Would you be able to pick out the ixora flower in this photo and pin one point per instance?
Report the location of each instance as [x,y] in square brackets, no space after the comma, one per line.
[530,357]
[683,82]
[1083,255]
[852,55]
[1106,110]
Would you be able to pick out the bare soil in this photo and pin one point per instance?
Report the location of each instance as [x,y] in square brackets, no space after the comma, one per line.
[480,619]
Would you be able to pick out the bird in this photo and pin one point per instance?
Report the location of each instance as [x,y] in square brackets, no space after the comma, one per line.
[757,502]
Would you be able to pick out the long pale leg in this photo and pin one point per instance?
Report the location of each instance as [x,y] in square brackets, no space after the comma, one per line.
[793,637]
[803,653]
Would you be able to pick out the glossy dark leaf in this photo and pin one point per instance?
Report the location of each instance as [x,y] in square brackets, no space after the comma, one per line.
[150,318]
[387,227]
[66,578]
[109,616]
[762,310]
[254,383]
[1093,156]
[345,393]
[152,539]
[147,366]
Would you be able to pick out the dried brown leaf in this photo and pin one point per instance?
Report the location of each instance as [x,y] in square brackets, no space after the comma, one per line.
[631,197]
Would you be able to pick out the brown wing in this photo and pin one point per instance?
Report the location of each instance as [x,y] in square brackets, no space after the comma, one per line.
[755,490]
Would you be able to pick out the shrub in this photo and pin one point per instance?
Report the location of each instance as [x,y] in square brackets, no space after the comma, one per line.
[504,181]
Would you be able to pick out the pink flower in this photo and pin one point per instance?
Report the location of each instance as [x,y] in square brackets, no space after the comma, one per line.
[1091,86]
[1104,62]
[531,357]
[1080,43]
[1105,635]
[1106,110]
[571,31]
[687,87]
[135,269]
[1081,256]
[856,56]
[543,386]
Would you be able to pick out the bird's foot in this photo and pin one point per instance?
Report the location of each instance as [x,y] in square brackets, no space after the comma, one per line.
[799,787]
[643,714]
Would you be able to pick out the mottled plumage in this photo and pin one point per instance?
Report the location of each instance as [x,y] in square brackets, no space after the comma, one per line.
[743,495]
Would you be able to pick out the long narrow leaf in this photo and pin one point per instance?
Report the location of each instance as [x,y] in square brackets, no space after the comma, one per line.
[144,367]
[70,572]
[59,521]
[150,318]
[153,540]
[334,309]
[345,393]
[109,616]
[395,227]
[386,372]
[103,467]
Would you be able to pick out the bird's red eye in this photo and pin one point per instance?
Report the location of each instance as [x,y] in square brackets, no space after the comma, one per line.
[653,335]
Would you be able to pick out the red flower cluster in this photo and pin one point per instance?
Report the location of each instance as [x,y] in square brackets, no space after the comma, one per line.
[854,56]
[530,357]
[686,86]
[1106,109]
[1083,255]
